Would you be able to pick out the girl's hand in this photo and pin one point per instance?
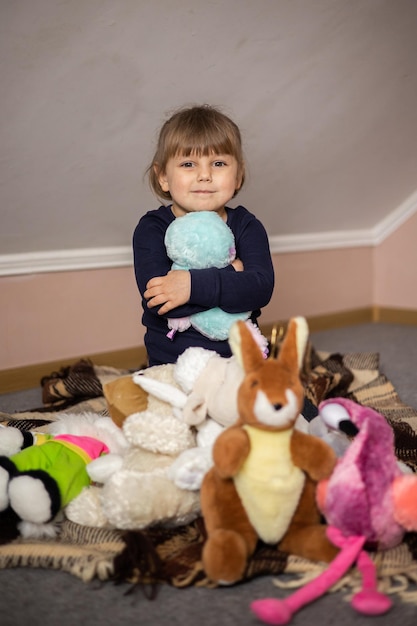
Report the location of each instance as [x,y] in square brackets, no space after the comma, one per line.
[238,265]
[171,290]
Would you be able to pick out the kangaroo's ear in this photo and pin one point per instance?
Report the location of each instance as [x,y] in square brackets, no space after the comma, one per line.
[291,354]
[244,347]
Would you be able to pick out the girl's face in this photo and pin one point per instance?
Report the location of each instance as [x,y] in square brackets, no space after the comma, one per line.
[201,183]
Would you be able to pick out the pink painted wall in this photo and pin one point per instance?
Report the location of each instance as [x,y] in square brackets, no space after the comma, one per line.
[395,274]
[47,317]
[318,283]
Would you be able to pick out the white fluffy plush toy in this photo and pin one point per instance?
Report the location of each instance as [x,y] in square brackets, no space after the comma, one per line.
[157,479]
[199,241]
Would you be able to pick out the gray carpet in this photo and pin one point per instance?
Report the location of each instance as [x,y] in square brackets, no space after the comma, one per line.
[45,598]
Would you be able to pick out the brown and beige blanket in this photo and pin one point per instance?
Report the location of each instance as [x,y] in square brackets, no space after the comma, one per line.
[172,555]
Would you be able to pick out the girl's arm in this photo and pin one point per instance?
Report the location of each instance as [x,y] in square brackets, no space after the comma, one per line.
[151,260]
[233,291]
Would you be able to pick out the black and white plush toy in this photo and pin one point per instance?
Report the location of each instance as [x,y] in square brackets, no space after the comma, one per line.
[40,473]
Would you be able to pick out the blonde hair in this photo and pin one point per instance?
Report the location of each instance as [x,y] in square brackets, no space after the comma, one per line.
[202,130]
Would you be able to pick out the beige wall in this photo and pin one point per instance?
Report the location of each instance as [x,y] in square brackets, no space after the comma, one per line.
[323,91]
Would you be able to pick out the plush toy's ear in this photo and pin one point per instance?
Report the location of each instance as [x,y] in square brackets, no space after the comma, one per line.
[161,390]
[195,409]
[249,354]
[294,345]
[123,398]
[244,347]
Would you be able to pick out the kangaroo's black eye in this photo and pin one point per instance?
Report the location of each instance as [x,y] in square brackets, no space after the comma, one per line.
[254,383]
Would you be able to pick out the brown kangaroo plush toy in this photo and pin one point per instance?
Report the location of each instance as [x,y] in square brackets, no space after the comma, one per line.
[262,483]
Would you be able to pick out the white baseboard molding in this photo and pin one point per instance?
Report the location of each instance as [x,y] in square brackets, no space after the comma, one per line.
[121,256]
[65,260]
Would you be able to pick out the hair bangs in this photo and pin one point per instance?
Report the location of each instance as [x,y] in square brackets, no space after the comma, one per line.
[203,142]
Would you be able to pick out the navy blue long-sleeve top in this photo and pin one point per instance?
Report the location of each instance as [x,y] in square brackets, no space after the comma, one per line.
[234,292]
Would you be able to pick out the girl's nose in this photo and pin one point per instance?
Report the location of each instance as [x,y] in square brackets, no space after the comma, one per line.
[204,173]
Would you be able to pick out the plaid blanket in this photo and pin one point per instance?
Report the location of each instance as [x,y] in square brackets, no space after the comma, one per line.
[173,555]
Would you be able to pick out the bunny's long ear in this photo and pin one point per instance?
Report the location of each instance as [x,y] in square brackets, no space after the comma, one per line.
[244,347]
[293,347]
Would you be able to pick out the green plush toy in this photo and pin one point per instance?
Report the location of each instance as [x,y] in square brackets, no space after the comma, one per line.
[41,473]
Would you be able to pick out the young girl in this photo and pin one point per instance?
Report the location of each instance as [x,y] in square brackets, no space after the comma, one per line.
[198,166]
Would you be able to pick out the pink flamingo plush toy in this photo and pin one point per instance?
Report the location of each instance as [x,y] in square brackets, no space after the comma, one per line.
[367,501]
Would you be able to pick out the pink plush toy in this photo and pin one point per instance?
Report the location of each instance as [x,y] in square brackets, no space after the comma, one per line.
[366,501]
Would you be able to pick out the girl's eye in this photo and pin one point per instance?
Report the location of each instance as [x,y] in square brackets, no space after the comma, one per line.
[187,164]
[219,163]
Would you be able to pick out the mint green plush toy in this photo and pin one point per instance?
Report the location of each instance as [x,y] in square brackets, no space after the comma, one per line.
[199,241]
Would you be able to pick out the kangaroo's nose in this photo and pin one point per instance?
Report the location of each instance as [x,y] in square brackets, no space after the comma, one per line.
[277,406]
